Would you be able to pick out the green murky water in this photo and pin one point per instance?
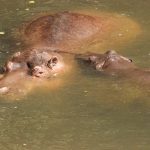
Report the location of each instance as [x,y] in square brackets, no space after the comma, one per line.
[89,113]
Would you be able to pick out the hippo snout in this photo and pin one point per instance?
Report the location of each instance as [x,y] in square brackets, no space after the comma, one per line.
[37,71]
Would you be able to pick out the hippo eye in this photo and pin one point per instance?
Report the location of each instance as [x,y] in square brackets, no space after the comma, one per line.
[30,65]
[52,62]
[130,60]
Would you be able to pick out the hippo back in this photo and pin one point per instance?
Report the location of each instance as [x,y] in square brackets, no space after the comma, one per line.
[62,30]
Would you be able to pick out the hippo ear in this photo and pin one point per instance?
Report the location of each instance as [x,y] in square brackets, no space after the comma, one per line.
[17,54]
[93,58]
[111,52]
[9,66]
[99,66]
[52,62]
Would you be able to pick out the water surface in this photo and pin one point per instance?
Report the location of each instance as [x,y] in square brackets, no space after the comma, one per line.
[91,112]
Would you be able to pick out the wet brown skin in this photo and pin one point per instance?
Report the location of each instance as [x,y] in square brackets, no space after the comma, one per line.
[112,63]
[65,31]
[62,30]
[26,69]
[36,62]
[72,31]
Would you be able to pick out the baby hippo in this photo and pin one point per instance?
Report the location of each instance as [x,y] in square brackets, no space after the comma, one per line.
[36,63]
[30,69]
[45,64]
[114,64]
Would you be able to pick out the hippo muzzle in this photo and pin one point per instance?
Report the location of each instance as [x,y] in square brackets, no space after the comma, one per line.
[110,60]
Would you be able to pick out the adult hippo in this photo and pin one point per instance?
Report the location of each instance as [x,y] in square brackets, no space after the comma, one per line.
[112,63]
[78,32]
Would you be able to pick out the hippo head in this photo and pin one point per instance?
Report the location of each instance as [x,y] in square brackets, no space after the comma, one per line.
[109,61]
[43,64]
[36,63]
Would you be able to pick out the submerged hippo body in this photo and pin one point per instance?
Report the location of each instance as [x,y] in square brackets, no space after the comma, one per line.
[112,63]
[35,67]
[75,31]
[65,31]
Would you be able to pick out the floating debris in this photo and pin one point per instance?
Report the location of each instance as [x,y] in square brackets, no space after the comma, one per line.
[120,34]
[31,2]
[18,43]
[2,33]
[85,91]
[27,9]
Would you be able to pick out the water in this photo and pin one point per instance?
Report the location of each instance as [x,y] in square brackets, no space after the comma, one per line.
[91,112]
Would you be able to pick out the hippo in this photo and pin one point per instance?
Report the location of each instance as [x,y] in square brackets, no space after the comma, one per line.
[112,63]
[64,31]
[37,63]
[74,31]
[31,68]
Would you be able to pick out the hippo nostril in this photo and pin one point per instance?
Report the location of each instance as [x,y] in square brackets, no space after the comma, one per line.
[34,70]
[40,72]
[37,69]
